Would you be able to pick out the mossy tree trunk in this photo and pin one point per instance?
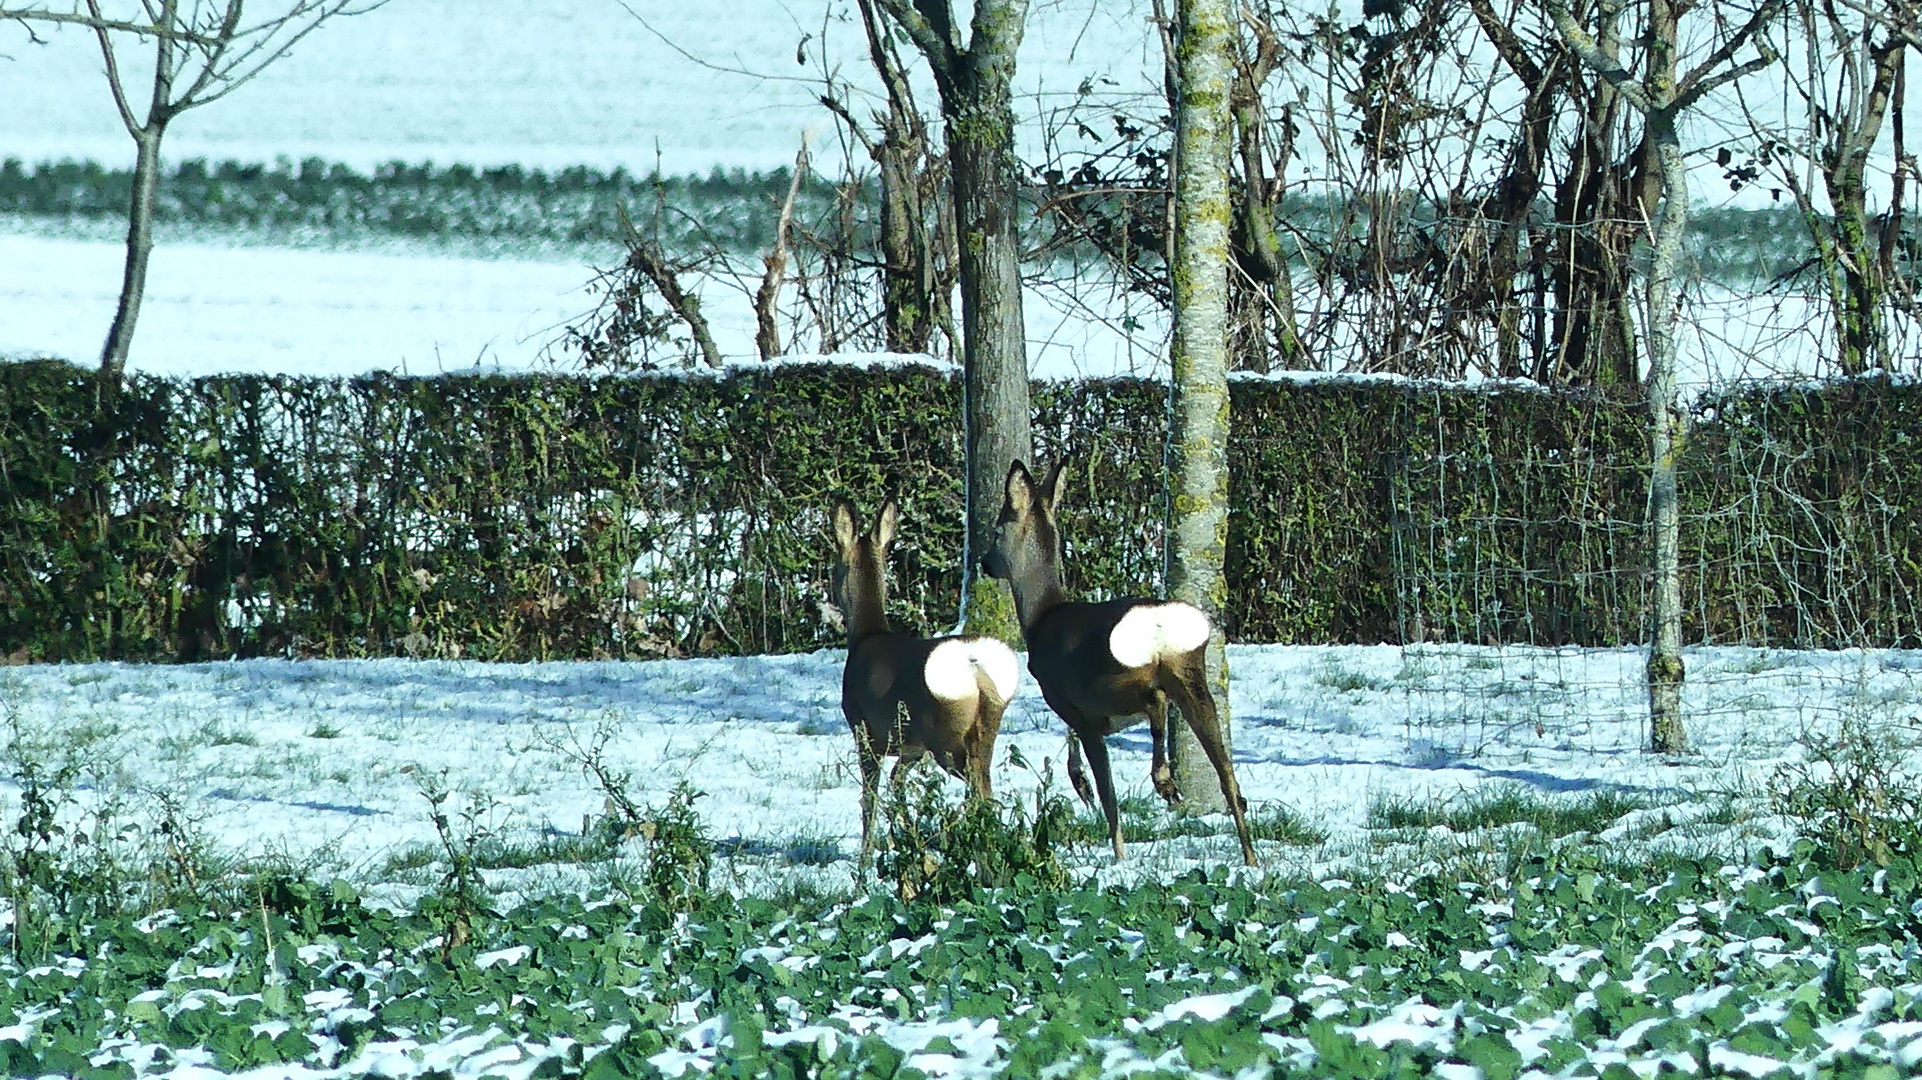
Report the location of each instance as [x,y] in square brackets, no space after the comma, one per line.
[976,84]
[1198,390]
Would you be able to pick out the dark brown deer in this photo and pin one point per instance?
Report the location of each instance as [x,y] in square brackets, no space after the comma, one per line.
[1103,666]
[909,696]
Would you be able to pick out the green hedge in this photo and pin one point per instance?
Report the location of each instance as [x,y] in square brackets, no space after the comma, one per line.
[549,517]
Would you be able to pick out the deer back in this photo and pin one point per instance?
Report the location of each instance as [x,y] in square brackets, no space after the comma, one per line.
[1104,658]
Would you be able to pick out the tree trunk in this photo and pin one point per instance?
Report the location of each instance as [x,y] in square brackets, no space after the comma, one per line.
[910,306]
[1198,389]
[1852,265]
[1667,733]
[978,107]
[133,282]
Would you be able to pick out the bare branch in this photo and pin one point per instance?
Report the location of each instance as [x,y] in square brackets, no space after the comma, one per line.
[229,74]
[767,335]
[113,77]
[646,256]
[938,47]
[1703,80]
[1905,22]
[27,16]
[1582,44]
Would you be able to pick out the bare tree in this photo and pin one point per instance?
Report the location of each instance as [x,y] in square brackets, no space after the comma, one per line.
[1663,96]
[1198,389]
[975,80]
[917,270]
[1845,81]
[201,51]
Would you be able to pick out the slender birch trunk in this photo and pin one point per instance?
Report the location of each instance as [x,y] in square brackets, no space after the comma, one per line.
[1663,98]
[1197,453]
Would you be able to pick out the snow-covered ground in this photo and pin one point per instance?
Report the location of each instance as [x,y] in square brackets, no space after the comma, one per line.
[212,308]
[324,761]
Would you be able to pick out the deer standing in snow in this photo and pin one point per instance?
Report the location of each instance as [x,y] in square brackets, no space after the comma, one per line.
[909,696]
[1102,666]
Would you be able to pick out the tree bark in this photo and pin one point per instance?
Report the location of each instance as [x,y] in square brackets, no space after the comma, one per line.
[914,297]
[976,85]
[133,280]
[1667,732]
[1198,389]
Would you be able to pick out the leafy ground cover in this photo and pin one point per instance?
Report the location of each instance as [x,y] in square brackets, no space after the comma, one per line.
[1779,969]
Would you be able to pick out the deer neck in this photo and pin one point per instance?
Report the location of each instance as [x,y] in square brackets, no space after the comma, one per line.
[1037,591]
[870,603]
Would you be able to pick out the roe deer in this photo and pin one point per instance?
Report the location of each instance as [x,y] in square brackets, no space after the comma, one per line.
[905,695]
[1101,666]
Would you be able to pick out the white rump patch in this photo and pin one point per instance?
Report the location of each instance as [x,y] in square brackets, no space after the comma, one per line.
[951,667]
[1149,632]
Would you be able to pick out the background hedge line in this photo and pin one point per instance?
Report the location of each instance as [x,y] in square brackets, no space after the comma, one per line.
[549,517]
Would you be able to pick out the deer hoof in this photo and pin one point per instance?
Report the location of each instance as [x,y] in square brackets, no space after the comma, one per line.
[1164,780]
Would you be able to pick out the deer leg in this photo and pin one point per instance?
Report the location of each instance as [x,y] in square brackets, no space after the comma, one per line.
[1097,747]
[1078,772]
[1190,687]
[870,793]
[980,758]
[1162,773]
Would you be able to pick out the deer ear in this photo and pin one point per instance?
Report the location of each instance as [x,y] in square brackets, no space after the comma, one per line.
[845,531]
[884,524]
[1052,487]
[1019,490]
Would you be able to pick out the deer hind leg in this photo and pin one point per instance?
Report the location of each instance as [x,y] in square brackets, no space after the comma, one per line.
[870,795]
[1096,746]
[1161,772]
[1078,771]
[980,752]
[1187,682]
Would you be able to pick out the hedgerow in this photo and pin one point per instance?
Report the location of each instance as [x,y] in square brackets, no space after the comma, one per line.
[537,517]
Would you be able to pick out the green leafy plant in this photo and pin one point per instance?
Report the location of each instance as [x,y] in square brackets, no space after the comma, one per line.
[941,851]
[680,854]
[461,899]
[1854,794]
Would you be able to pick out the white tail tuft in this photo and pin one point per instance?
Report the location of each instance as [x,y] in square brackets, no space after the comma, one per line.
[1153,631]
[951,667]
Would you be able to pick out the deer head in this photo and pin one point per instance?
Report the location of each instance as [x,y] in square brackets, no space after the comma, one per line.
[860,567]
[1026,552]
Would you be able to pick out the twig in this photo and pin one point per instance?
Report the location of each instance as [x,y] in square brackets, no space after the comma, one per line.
[767,334]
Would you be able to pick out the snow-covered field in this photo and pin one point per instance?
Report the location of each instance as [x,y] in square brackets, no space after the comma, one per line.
[323,762]
[688,87]
[683,87]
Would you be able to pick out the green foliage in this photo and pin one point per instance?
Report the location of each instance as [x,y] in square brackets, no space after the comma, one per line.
[1508,804]
[680,855]
[1558,970]
[1796,533]
[1854,793]
[574,517]
[460,900]
[939,851]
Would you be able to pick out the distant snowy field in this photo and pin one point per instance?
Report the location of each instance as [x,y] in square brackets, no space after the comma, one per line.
[685,87]
[322,761]
[682,86]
